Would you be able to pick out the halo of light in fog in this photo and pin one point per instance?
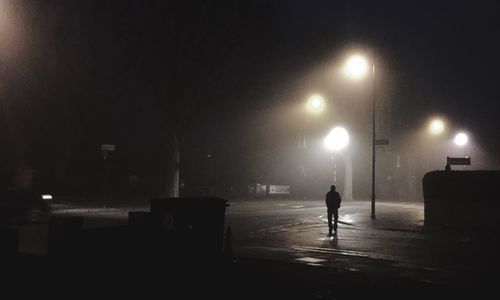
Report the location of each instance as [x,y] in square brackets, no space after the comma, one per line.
[436,126]
[315,104]
[337,139]
[461,139]
[356,67]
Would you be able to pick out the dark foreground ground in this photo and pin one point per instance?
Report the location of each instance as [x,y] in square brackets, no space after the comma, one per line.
[246,279]
[277,250]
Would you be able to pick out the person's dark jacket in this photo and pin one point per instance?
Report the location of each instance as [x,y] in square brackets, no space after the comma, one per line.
[333,200]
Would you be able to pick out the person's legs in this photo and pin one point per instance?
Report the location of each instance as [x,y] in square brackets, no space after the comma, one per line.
[335,219]
[330,226]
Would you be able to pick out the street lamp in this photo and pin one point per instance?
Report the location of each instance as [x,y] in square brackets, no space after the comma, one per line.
[461,139]
[337,140]
[436,126]
[356,67]
[315,104]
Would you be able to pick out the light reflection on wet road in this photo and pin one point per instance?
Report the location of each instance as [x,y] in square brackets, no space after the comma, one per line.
[295,231]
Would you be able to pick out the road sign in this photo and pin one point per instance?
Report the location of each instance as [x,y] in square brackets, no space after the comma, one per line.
[279,189]
[107,147]
[382,142]
[461,161]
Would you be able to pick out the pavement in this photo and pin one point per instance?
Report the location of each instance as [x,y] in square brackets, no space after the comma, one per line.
[278,249]
[395,253]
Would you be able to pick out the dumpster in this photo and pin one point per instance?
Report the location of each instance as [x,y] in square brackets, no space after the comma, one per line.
[194,226]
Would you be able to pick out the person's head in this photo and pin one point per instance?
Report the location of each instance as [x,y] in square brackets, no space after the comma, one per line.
[332,188]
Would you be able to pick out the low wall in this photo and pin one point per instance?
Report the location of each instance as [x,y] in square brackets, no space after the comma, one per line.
[462,199]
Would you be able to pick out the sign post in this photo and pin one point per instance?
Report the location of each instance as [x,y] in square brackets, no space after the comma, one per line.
[105,149]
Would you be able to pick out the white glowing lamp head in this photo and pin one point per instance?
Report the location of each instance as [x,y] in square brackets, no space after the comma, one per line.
[461,139]
[315,104]
[356,67]
[337,139]
[436,126]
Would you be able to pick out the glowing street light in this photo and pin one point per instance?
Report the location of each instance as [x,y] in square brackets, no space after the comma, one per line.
[357,67]
[315,104]
[337,139]
[436,126]
[461,139]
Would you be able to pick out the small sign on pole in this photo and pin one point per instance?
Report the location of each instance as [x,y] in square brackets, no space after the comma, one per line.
[458,161]
[382,142]
[105,149]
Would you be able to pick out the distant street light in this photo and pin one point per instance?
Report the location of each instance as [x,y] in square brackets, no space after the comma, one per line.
[357,67]
[315,104]
[436,126]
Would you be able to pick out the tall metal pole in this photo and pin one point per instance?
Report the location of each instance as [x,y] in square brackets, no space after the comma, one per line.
[373,140]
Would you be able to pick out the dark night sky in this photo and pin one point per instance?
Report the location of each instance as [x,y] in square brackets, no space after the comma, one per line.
[81,73]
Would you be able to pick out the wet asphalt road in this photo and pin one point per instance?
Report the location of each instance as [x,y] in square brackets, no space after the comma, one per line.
[293,233]
[393,244]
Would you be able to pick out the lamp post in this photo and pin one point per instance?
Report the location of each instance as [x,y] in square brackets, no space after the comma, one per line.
[357,67]
[313,106]
[373,140]
[337,140]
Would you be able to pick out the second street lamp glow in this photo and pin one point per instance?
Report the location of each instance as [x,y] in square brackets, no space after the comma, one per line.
[436,127]
[315,104]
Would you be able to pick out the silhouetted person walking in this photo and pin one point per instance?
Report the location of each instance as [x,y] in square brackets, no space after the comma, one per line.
[332,200]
